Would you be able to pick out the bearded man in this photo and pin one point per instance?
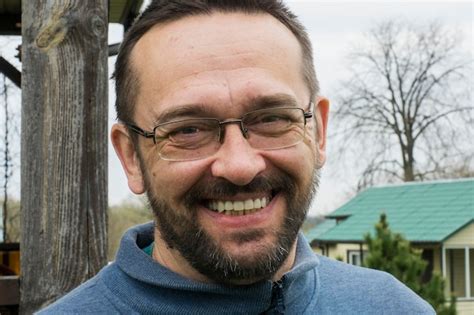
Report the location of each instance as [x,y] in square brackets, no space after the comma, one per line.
[222,125]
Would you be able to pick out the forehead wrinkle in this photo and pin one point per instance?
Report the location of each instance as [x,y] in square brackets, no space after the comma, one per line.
[190,84]
[240,47]
[229,90]
[271,101]
[217,78]
[246,57]
[210,48]
[202,110]
[239,58]
[185,110]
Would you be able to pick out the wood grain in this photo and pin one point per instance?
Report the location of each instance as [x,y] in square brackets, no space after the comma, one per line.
[64,147]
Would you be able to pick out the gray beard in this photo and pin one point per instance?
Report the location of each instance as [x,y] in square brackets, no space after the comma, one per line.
[181,231]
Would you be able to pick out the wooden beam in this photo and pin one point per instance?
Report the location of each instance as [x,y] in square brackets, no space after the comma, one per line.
[64,147]
[10,71]
[7,247]
[10,23]
[14,74]
[10,288]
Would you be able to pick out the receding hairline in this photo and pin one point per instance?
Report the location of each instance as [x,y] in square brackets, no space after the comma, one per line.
[132,67]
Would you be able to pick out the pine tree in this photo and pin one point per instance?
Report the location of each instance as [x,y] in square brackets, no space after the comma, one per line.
[391,252]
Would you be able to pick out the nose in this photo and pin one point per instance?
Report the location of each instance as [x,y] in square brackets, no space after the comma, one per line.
[236,160]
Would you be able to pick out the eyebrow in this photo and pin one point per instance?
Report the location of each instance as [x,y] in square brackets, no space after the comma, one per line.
[183,111]
[271,101]
[203,111]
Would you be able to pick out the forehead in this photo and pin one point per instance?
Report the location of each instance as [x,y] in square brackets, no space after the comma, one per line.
[218,58]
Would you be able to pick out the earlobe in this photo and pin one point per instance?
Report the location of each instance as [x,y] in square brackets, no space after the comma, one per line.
[321,114]
[125,150]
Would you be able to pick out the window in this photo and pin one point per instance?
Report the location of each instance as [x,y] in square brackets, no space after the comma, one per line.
[354,257]
[460,271]
[471,271]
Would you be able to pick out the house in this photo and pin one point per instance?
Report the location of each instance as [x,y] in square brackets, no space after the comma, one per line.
[436,217]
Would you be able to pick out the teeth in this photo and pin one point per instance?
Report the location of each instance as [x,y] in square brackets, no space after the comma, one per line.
[238,207]
[248,204]
[220,206]
[257,203]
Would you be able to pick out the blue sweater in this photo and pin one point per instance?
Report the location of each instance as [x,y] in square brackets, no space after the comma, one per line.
[136,284]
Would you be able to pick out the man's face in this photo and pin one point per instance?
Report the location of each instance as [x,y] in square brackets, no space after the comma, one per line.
[222,65]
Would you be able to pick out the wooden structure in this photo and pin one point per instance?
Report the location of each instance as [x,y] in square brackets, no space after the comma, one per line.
[64,147]
[64,84]
[9,284]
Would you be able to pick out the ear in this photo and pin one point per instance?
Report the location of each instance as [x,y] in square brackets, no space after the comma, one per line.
[125,150]
[321,112]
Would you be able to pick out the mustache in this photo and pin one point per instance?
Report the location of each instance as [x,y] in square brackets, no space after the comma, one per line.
[218,188]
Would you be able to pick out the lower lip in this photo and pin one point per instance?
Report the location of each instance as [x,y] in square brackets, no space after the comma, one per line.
[246,220]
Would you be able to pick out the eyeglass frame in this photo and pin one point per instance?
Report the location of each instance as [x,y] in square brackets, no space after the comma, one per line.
[152,134]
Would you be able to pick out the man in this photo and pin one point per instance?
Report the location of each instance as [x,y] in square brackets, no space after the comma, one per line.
[222,125]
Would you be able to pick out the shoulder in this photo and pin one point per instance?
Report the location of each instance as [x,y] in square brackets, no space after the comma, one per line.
[367,290]
[90,297]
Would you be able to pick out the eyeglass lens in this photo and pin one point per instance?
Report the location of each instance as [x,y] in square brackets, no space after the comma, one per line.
[266,129]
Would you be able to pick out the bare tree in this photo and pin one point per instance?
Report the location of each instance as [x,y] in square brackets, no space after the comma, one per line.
[6,161]
[406,107]
[9,145]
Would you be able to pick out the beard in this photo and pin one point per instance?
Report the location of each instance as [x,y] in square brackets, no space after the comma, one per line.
[182,231]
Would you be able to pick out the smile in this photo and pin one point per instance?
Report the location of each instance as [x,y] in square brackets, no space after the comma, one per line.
[238,207]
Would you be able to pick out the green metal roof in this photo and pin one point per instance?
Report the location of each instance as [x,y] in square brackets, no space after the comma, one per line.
[320,229]
[422,212]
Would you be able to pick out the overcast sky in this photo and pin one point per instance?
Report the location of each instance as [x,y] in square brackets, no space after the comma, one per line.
[333,27]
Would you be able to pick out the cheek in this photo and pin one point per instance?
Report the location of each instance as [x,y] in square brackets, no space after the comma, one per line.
[298,161]
[171,180]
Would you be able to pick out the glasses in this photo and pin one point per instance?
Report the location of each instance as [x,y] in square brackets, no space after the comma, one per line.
[198,138]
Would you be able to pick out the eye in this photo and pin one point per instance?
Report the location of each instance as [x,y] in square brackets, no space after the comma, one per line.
[271,118]
[186,130]
[186,133]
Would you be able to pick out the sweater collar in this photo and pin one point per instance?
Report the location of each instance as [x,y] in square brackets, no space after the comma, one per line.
[142,271]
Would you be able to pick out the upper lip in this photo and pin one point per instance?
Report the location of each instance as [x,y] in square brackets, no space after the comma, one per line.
[242,196]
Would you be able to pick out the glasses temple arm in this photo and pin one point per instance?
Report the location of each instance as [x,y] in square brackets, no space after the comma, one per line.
[140,131]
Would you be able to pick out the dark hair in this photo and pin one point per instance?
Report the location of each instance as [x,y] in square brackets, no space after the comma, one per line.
[161,11]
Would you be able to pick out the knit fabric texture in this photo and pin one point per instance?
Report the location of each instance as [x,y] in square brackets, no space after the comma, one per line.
[136,284]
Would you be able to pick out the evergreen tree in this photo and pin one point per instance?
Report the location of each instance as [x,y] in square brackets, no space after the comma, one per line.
[391,252]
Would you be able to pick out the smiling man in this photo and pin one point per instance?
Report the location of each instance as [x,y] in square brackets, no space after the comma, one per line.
[221,124]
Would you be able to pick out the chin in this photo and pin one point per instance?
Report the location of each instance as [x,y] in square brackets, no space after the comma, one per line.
[248,246]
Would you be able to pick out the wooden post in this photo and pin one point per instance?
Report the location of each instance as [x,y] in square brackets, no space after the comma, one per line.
[63,147]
